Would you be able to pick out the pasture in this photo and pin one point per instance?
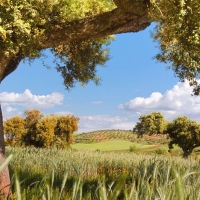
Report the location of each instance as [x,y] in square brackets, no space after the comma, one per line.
[79,174]
[109,145]
[111,169]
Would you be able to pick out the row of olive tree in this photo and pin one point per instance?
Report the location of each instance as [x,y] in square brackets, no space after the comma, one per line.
[182,131]
[39,130]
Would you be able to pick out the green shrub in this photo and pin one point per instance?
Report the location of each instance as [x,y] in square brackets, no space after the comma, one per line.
[161,151]
[134,149]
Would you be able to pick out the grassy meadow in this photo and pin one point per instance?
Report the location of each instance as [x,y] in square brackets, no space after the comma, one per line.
[113,169]
[121,140]
[109,145]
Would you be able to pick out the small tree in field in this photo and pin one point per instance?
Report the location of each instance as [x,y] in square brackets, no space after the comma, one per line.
[185,133]
[45,131]
[31,120]
[65,127]
[154,123]
[14,130]
[39,130]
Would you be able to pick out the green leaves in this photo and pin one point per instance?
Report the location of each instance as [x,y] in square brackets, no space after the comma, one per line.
[3,33]
[154,123]
[22,23]
[14,130]
[77,61]
[24,26]
[185,133]
[178,33]
[40,131]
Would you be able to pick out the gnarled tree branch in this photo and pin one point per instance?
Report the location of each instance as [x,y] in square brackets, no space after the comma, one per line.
[13,64]
[116,21]
[8,65]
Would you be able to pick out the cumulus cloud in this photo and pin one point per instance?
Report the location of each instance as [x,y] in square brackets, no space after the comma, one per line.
[10,109]
[63,113]
[139,102]
[29,100]
[103,122]
[123,125]
[175,102]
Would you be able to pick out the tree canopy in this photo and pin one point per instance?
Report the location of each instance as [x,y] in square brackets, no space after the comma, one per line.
[178,35]
[72,29]
[39,130]
[185,133]
[14,130]
[154,123]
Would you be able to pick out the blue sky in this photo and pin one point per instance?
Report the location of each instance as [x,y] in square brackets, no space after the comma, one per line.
[133,83]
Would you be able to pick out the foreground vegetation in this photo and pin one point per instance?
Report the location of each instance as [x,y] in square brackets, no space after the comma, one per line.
[121,166]
[68,174]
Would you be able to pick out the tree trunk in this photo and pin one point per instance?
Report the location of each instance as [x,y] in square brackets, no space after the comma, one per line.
[7,66]
[187,152]
[4,175]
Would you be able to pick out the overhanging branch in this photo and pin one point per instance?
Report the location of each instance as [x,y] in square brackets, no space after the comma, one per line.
[108,23]
[11,66]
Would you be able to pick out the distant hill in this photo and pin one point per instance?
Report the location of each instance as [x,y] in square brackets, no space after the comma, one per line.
[128,135]
[103,135]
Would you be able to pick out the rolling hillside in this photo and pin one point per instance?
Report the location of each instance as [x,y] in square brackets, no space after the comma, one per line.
[127,135]
[104,135]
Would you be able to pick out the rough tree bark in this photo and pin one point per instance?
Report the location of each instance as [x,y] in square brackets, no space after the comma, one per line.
[7,66]
[188,151]
[4,178]
[119,20]
[129,16]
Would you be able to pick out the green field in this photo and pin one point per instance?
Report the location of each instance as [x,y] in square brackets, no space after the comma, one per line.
[56,174]
[110,145]
[118,140]
[110,165]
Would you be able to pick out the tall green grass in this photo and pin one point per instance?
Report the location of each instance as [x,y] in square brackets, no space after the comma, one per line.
[66,174]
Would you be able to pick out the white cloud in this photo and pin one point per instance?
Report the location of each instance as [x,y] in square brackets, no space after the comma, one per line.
[123,126]
[30,101]
[64,113]
[175,102]
[10,109]
[138,102]
[103,122]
